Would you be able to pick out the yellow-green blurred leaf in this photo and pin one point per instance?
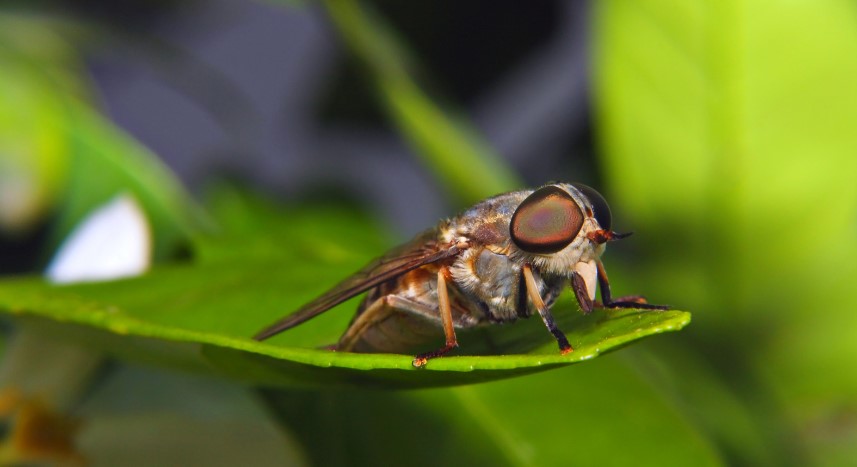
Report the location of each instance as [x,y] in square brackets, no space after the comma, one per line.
[726,129]
[33,147]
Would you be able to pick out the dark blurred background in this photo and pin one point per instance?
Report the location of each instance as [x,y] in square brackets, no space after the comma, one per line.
[721,132]
[269,94]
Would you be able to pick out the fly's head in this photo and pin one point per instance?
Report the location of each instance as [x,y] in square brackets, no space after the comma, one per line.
[560,225]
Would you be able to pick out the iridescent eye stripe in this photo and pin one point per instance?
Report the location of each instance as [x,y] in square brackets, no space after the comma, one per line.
[546,222]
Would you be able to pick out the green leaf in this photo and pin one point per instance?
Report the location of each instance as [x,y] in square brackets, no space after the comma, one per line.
[201,315]
[447,144]
[215,308]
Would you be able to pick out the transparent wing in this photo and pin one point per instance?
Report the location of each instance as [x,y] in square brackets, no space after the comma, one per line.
[423,249]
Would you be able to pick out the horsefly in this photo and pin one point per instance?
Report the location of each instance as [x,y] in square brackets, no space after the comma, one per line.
[503,259]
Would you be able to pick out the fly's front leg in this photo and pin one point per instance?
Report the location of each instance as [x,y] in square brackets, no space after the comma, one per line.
[544,312]
[632,301]
[578,284]
[446,318]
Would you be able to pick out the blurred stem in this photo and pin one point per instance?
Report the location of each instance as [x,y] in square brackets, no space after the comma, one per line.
[450,147]
[686,379]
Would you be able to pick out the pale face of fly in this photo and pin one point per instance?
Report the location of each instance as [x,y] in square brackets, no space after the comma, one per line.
[495,262]
[558,226]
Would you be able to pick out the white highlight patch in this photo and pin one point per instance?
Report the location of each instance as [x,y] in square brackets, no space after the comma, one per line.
[589,272]
[111,243]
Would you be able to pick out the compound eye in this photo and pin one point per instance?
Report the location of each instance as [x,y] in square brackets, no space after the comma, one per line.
[546,222]
[600,209]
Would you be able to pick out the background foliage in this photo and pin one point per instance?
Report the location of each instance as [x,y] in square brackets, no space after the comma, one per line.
[720,133]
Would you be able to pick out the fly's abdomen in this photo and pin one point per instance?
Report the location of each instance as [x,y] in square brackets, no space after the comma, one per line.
[403,318]
[400,332]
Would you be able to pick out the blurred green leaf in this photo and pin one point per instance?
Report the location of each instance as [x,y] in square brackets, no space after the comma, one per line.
[715,138]
[567,417]
[33,154]
[33,149]
[447,144]
[106,162]
[726,129]
[140,417]
[252,228]
[695,389]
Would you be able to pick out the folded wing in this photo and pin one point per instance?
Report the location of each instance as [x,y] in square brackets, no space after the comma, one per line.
[422,250]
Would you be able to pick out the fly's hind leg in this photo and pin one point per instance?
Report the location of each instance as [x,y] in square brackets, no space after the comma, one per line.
[383,307]
[446,318]
[378,311]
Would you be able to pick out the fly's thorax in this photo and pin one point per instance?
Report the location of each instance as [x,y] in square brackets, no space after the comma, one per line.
[489,224]
[486,223]
[493,283]
[486,274]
